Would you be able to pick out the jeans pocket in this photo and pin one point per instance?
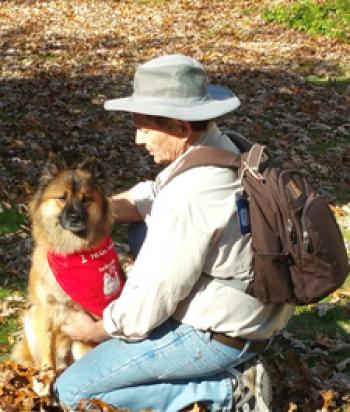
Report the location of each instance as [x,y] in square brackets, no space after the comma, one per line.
[224,351]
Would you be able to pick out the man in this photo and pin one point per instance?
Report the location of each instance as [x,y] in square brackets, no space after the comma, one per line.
[183,322]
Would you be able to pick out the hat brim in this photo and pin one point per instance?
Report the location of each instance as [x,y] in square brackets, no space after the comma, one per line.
[218,102]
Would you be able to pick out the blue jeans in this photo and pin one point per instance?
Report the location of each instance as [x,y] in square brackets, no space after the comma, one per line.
[137,232]
[174,367]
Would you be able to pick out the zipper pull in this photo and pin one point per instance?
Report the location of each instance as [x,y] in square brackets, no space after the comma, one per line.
[291,231]
[307,242]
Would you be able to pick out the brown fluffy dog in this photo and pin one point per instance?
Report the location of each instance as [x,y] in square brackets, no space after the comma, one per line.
[69,213]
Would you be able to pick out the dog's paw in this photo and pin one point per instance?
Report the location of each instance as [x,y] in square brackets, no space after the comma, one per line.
[42,381]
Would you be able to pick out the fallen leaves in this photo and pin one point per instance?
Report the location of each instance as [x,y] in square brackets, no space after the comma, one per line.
[10,308]
[61,60]
[7,308]
[305,381]
[27,389]
[340,293]
[328,397]
[18,387]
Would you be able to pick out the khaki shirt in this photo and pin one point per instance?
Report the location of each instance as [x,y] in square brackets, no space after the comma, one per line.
[193,228]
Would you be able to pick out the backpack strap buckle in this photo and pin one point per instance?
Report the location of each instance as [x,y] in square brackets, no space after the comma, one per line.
[257,155]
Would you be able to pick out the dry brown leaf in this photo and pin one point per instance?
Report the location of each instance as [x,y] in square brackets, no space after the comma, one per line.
[340,293]
[337,210]
[61,60]
[197,408]
[292,407]
[328,398]
[323,339]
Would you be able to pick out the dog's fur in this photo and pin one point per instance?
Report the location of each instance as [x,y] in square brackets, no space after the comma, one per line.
[69,213]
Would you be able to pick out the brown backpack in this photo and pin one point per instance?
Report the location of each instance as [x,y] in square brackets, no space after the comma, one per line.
[299,254]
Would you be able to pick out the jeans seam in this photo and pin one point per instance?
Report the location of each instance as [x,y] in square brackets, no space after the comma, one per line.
[229,398]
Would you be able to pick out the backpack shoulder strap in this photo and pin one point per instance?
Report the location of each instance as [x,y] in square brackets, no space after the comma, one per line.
[206,156]
[242,143]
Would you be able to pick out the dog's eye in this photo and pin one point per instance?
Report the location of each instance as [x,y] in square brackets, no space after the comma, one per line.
[85,199]
[62,197]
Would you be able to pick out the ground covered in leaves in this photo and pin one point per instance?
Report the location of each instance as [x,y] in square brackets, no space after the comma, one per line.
[60,60]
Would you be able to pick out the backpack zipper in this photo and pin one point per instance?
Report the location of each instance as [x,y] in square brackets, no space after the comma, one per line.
[307,240]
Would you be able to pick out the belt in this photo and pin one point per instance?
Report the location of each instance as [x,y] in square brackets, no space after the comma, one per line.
[239,343]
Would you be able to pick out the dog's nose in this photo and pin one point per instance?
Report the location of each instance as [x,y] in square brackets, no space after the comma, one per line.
[74,218]
[76,215]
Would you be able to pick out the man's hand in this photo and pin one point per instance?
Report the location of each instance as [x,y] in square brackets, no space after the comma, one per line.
[124,209]
[82,327]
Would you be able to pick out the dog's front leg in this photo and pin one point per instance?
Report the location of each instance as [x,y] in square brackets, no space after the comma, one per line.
[42,328]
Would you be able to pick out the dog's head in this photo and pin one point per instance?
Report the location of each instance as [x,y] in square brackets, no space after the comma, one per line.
[70,210]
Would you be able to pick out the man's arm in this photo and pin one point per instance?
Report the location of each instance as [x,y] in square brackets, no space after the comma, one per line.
[165,271]
[124,208]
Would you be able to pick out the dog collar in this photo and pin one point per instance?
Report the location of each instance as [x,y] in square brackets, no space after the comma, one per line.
[91,277]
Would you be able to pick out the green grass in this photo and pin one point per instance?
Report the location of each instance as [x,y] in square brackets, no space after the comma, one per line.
[11,220]
[9,118]
[81,105]
[306,322]
[338,83]
[323,147]
[47,56]
[308,331]
[331,17]
[10,287]
[346,234]
[9,324]
[6,329]
[119,232]
[247,11]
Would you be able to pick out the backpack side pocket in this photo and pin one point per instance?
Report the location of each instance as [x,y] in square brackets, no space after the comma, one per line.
[324,261]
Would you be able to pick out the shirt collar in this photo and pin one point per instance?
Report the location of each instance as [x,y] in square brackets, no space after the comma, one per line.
[210,137]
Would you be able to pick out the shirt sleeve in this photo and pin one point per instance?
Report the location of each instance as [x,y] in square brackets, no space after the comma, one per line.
[143,195]
[169,264]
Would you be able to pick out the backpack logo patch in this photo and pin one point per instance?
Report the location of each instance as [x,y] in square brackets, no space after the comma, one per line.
[293,190]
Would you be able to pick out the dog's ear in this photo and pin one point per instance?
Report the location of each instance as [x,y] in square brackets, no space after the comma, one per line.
[94,166]
[51,169]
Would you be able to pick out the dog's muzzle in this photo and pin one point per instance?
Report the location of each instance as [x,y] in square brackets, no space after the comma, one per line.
[74,218]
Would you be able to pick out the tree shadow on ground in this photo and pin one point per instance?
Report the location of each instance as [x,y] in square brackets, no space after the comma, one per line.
[55,113]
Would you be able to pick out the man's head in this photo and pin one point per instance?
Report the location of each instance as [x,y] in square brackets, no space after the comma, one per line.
[172,105]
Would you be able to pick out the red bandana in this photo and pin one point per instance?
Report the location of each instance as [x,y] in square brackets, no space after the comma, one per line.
[91,277]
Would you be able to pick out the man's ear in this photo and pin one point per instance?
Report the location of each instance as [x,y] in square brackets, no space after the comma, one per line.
[188,132]
[180,128]
[186,128]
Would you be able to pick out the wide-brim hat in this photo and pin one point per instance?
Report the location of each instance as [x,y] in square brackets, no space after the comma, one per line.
[175,86]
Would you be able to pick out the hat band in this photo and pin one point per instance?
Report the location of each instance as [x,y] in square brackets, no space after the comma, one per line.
[173,101]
